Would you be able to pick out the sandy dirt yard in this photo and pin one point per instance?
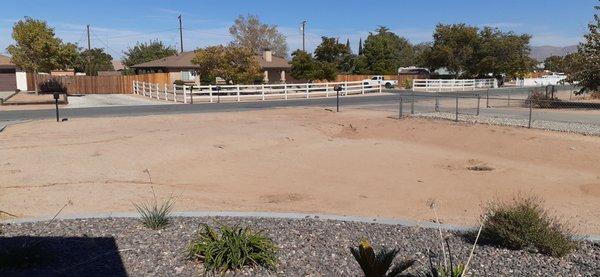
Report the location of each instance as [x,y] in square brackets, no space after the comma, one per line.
[308,160]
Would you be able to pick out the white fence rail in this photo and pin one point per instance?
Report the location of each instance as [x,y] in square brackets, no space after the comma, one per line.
[441,85]
[211,93]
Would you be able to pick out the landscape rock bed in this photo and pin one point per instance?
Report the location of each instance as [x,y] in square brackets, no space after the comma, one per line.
[572,127]
[307,247]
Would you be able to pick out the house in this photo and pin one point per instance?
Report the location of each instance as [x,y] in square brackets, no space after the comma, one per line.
[11,77]
[180,67]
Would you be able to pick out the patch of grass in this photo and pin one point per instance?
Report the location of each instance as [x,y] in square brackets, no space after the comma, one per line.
[523,223]
[155,216]
[378,264]
[231,248]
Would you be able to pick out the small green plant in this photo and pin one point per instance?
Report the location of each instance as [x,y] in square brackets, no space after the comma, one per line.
[448,268]
[153,215]
[378,264]
[523,223]
[542,100]
[232,248]
[408,83]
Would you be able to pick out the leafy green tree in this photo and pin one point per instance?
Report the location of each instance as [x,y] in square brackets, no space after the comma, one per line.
[94,60]
[360,47]
[36,48]
[554,64]
[385,52]
[249,32]
[236,65]
[147,51]
[420,50]
[303,66]
[585,66]
[330,50]
[501,53]
[454,48]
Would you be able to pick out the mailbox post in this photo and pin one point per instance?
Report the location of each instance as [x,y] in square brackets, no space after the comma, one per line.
[218,88]
[56,96]
[338,89]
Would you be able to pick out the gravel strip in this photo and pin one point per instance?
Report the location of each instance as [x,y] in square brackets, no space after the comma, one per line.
[573,127]
[118,246]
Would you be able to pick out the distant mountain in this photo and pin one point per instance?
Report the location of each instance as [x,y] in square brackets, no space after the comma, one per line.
[540,53]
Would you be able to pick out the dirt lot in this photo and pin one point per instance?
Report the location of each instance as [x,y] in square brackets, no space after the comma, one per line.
[309,160]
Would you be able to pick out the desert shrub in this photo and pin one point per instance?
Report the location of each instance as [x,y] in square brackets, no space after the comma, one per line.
[155,216]
[523,223]
[541,100]
[51,86]
[407,84]
[378,264]
[179,83]
[231,248]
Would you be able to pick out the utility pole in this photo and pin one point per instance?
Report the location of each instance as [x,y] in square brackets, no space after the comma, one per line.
[88,37]
[180,33]
[303,28]
[88,70]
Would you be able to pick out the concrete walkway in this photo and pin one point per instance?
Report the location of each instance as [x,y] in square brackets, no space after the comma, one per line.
[105,100]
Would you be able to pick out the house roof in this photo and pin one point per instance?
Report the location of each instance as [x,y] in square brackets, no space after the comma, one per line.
[184,60]
[6,63]
[118,65]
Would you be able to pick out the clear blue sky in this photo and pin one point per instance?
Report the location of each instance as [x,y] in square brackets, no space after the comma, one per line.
[119,24]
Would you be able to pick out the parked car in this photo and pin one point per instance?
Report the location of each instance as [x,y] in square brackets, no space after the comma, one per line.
[379,80]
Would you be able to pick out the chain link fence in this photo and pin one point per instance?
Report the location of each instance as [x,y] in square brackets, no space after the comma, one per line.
[552,108]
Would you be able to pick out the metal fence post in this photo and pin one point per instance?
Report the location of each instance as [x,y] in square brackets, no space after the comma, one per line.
[192,94]
[478,101]
[437,102]
[412,103]
[530,112]
[509,96]
[456,118]
[487,101]
[337,101]
[400,106]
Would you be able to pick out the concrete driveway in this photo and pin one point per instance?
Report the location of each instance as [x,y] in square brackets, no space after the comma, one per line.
[104,100]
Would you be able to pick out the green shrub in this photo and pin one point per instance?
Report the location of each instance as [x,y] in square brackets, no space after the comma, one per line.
[524,224]
[232,248]
[155,216]
[408,83]
[378,265]
[449,268]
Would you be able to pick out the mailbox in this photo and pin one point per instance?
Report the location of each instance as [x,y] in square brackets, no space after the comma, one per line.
[338,88]
[56,96]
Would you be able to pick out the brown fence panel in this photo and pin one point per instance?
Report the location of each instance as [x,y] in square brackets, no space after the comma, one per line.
[105,84]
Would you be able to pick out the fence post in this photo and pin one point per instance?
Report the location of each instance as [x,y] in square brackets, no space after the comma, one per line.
[184,95]
[307,87]
[326,89]
[133,87]
[437,103]
[175,93]
[412,103]
[166,92]
[509,96]
[530,112]
[456,118]
[285,93]
[487,101]
[157,92]
[362,87]
[337,101]
[192,94]
[238,93]
[144,88]
[263,92]
[210,96]
[346,87]
[478,100]
[400,106]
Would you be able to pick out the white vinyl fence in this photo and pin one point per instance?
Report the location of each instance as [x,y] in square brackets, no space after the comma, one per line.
[441,85]
[211,93]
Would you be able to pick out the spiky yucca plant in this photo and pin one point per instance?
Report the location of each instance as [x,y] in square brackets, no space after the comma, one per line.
[378,264]
[155,216]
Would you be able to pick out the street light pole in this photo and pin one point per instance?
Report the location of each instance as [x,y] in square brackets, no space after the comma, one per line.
[180,33]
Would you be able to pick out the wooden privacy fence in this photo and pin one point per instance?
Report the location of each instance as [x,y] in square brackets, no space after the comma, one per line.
[105,84]
[211,93]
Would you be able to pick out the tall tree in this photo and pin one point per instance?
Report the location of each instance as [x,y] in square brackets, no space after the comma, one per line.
[249,32]
[585,66]
[147,51]
[454,48]
[331,51]
[554,64]
[501,53]
[348,45]
[36,48]
[360,47]
[305,67]
[385,52]
[94,60]
[235,64]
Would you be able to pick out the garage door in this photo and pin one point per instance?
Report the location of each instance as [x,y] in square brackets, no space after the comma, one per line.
[8,80]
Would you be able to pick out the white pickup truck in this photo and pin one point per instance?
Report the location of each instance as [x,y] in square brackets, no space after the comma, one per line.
[379,80]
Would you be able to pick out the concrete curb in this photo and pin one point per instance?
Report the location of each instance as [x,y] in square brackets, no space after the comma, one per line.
[274,215]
